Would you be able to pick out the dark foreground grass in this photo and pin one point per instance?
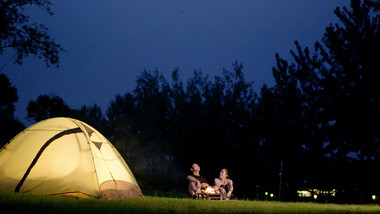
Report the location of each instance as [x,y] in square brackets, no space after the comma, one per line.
[25,203]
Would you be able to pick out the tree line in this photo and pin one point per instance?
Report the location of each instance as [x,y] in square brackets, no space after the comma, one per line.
[317,127]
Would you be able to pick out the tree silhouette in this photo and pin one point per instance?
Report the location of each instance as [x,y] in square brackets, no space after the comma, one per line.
[47,107]
[350,84]
[24,38]
[333,94]
[8,126]
[17,33]
[8,97]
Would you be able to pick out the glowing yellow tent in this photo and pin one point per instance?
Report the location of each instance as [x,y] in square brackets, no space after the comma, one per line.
[64,156]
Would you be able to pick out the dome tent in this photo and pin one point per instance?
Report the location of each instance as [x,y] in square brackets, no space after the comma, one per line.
[64,156]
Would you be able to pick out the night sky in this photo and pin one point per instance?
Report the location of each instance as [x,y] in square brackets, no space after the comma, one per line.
[109,43]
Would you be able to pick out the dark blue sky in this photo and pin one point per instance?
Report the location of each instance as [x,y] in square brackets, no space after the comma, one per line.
[109,43]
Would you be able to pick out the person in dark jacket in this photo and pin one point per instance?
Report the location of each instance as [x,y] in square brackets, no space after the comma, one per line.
[196,181]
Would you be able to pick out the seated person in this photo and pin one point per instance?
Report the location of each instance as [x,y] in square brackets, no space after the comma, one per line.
[196,181]
[224,185]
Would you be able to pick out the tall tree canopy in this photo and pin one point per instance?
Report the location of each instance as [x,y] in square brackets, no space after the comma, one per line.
[25,38]
[332,97]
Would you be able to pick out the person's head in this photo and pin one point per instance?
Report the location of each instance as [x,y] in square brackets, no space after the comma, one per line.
[224,173]
[195,168]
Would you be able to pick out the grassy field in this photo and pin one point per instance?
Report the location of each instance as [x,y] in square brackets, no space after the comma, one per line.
[25,203]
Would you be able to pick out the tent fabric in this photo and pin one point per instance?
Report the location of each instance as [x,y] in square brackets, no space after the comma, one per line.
[65,156]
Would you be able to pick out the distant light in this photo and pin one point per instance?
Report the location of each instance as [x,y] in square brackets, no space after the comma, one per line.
[271,195]
[374,197]
[315,196]
[266,193]
[303,193]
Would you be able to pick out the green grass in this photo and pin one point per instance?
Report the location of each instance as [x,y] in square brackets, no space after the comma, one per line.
[25,203]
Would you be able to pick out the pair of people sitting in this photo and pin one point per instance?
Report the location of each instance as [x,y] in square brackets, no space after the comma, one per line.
[222,185]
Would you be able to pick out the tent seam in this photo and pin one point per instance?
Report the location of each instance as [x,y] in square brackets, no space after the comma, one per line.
[89,146]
